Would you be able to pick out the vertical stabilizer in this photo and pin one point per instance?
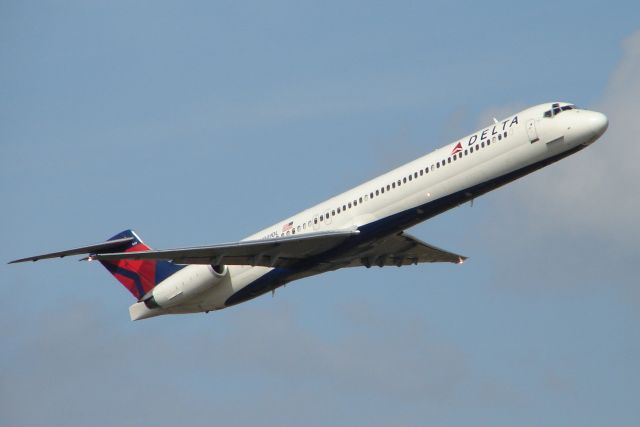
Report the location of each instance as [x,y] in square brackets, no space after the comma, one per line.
[138,276]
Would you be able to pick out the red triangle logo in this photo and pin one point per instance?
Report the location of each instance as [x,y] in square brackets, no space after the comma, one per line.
[457,149]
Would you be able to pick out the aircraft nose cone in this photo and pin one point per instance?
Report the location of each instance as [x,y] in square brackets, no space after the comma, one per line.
[598,123]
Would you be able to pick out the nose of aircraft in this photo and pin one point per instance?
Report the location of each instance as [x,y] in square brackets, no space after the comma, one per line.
[598,123]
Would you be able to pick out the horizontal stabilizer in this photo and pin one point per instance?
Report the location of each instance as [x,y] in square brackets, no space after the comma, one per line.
[91,249]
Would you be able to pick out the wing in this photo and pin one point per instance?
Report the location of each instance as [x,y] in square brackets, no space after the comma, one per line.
[281,252]
[398,249]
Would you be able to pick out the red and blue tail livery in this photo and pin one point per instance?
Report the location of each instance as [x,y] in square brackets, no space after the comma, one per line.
[138,276]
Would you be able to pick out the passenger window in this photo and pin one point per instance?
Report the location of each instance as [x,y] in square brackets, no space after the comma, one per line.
[449,160]
[505,134]
[355,203]
[499,136]
[415,174]
[321,216]
[438,165]
[333,213]
[377,192]
[471,150]
[382,190]
[421,172]
[466,152]
[371,195]
[360,199]
[404,180]
[410,177]
[388,187]
[349,205]
[393,185]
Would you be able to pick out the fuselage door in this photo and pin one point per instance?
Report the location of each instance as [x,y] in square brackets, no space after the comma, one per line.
[327,217]
[531,131]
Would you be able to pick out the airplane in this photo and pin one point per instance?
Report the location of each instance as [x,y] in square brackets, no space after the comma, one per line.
[364,226]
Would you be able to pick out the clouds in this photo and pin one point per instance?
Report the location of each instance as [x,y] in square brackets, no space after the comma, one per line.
[78,369]
[594,192]
[199,125]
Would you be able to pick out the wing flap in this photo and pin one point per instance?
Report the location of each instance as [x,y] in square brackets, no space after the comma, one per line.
[399,249]
[279,252]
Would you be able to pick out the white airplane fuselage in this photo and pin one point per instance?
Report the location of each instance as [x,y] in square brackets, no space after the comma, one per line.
[394,201]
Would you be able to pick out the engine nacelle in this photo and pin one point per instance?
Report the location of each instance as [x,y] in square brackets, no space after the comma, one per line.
[185,285]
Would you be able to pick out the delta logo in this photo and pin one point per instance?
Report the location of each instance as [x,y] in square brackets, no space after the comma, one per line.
[456,149]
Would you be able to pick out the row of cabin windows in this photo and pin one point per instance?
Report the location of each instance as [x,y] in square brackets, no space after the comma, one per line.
[399,182]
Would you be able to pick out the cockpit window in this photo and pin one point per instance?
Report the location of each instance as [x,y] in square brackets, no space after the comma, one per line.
[556,109]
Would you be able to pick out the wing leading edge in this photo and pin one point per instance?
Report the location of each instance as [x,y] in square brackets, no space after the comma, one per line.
[281,252]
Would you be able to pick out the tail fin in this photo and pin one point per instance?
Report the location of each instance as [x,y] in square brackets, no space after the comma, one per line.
[138,276]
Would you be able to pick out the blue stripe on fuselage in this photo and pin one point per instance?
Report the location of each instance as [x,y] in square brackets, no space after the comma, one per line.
[389,225]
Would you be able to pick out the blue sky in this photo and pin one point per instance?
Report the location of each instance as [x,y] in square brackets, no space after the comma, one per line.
[203,122]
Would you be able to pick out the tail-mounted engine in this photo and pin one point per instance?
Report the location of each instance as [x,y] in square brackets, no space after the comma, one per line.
[185,285]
